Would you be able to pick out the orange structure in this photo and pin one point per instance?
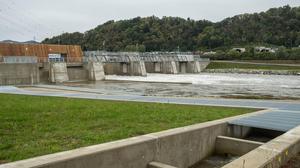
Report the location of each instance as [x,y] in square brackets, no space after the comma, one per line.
[44,52]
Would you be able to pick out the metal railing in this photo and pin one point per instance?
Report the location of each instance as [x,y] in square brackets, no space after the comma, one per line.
[67,59]
[18,59]
[110,57]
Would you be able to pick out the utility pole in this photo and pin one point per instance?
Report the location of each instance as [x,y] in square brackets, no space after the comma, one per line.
[103,45]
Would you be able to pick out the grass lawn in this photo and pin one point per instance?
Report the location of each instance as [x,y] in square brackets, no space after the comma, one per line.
[228,65]
[32,126]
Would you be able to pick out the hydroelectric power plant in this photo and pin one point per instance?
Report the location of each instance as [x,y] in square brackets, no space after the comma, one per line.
[40,63]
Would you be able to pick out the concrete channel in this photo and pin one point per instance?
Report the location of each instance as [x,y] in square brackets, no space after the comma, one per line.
[186,147]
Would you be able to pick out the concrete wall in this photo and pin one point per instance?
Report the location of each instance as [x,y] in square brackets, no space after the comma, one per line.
[203,64]
[34,73]
[238,131]
[16,74]
[273,154]
[235,146]
[173,68]
[137,68]
[77,74]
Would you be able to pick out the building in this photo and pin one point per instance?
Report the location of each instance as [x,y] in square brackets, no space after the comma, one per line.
[240,50]
[265,49]
[209,53]
[43,52]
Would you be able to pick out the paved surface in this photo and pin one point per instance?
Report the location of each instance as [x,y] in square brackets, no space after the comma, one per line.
[283,115]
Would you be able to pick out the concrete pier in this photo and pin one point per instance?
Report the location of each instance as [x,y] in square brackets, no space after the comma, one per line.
[137,68]
[119,63]
[138,64]
[95,71]
[58,72]
[170,67]
[194,67]
[96,64]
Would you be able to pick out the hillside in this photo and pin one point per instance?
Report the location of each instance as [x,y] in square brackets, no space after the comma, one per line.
[277,26]
[25,42]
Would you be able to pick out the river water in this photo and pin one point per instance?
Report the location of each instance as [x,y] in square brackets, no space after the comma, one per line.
[201,85]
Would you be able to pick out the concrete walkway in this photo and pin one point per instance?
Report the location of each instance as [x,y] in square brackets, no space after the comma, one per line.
[77,92]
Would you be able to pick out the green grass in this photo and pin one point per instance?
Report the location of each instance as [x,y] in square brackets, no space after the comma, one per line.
[228,65]
[32,126]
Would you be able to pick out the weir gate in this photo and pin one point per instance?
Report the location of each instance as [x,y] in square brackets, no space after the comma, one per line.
[131,63]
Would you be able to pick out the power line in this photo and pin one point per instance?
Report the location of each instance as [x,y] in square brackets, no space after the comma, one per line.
[19,19]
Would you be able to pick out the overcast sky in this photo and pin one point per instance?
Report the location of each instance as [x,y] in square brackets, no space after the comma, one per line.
[24,20]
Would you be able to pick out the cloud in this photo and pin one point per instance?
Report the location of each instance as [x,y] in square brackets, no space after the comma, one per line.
[23,20]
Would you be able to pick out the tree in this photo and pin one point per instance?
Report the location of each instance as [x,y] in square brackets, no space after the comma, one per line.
[277,26]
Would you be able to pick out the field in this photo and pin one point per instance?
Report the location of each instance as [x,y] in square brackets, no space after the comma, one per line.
[230,65]
[32,126]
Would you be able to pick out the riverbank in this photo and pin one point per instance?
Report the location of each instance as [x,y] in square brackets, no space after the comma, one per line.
[33,125]
[254,71]
[252,68]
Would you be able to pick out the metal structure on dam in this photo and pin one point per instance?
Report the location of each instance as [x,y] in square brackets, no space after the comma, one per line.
[41,63]
[154,62]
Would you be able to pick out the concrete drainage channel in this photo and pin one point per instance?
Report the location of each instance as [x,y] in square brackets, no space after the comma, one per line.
[211,144]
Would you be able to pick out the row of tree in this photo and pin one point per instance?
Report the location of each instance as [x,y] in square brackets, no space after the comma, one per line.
[277,26]
[282,53]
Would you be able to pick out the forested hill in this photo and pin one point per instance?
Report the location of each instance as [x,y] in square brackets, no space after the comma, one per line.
[277,26]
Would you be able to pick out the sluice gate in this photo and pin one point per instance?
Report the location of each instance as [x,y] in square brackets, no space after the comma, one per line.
[132,63]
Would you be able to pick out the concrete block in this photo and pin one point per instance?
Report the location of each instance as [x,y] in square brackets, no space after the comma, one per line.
[235,146]
[78,73]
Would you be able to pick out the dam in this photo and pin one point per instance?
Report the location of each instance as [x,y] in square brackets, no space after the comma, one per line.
[42,63]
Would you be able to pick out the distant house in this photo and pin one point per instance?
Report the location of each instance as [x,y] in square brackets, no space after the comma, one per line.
[265,49]
[209,53]
[240,50]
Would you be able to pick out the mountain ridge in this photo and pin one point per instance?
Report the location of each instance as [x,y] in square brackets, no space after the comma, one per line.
[277,26]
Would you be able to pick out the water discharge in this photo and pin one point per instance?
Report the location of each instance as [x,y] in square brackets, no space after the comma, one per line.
[201,85]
